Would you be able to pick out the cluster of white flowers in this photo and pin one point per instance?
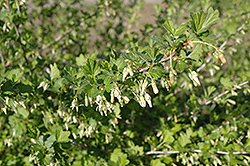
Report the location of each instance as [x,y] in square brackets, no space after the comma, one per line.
[142,96]
[115,92]
[8,142]
[194,77]
[165,84]
[5,103]
[126,71]
[85,130]
[103,105]
[44,85]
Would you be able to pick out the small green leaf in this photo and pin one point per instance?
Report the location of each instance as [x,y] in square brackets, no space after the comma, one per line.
[181,65]
[20,129]
[201,22]
[156,72]
[49,142]
[183,139]
[195,54]
[22,111]
[91,68]
[156,162]
[59,83]
[62,136]
[180,30]
[114,156]
[226,82]
[119,157]
[14,74]
[210,90]
[4,14]
[117,109]
[54,71]
[168,136]
[169,25]
[81,60]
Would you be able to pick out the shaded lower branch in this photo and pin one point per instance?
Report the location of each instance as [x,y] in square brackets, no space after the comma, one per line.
[225,92]
[221,47]
[162,153]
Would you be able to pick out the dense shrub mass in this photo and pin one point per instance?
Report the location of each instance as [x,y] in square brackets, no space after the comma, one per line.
[85,85]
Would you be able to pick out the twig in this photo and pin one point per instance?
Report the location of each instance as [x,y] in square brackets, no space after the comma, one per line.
[2,59]
[162,153]
[225,92]
[146,68]
[221,47]
[57,39]
[238,30]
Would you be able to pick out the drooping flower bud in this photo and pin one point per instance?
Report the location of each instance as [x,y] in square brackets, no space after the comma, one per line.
[131,73]
[194,77]
[216,56]
[142,101]
[171,76]
[86,100]
[148,99]
[191,44]
[125,73]
[144,86]
[44,85]
[112,96]
[74,104]
[222,58]
[116,92]
[126,99]
[155,89]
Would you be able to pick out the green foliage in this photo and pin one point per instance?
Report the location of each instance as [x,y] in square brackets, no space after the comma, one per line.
[85,86]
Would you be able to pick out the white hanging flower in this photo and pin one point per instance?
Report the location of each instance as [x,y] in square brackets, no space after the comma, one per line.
[44,85]
[66,126]
[90,101]
[126,99]
[142,101]
[74,119]
[194,77]
[74,135]
[98,99]
[130,70]
[120,100]
[74,104]
[116,92]
[125,73]
[8,142]
[86,100]
[112,96]
[144,86]
[148,99]
[155,89]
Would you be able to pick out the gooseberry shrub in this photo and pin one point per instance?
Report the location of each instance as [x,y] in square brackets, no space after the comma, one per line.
[80,86]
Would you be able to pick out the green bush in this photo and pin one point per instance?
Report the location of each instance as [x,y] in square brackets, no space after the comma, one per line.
[82,85]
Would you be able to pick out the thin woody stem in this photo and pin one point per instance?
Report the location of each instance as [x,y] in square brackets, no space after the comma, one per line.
[162,153]
[225,92]
[221,47]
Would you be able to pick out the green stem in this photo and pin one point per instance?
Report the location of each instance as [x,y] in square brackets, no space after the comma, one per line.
[201,42]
